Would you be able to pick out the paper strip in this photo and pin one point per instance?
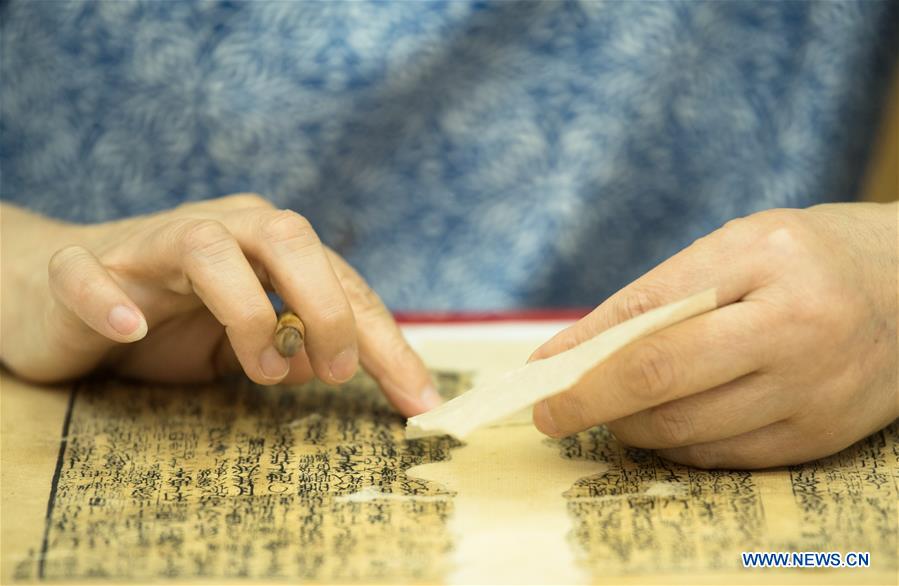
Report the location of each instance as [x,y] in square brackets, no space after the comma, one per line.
[533,382]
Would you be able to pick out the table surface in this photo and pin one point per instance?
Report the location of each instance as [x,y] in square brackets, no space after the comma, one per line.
[116,482]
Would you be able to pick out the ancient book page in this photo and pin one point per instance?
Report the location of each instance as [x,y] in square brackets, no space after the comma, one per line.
[122,483]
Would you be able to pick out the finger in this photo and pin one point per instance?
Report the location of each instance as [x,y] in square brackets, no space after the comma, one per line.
[692,356]
[82,286]
[209,262]
[299,270]
[191,360]
[225,362]
[718,261]
[778,444]
[385,353]
[735,408]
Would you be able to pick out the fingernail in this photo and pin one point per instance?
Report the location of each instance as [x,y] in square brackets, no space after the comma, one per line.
[127,322]
[344,365]
[430,398]
[274,366]
[543,419]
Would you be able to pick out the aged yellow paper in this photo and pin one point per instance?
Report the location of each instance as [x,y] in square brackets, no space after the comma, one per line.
[510,523]
[123,483]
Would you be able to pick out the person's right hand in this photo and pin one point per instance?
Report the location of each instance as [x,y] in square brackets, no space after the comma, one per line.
[180,296]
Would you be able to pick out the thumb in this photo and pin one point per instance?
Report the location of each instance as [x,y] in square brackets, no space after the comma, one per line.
[88,314]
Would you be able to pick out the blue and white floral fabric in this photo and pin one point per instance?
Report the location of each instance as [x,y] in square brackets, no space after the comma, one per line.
[462,155]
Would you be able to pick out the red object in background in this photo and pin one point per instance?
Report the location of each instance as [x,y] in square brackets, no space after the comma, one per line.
[438,317]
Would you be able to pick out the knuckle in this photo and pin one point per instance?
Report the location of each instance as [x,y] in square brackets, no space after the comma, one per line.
[784,235]
[784,242]
[281,225]
[775,231]
[289,233]
[636,303]
[204,238]
[671,425]
[648,374]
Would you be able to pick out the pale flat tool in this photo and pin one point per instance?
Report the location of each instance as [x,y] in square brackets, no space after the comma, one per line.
[520,388]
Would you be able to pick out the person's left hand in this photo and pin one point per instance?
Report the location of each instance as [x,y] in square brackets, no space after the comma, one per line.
[798,362]
[179,296]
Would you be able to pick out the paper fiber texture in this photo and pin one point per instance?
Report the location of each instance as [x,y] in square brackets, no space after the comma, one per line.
[507,394]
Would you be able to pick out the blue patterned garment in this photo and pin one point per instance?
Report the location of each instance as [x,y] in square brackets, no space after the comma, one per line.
[462,155]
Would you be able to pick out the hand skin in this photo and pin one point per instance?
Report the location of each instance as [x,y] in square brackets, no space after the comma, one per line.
[179,296]
[798,362]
